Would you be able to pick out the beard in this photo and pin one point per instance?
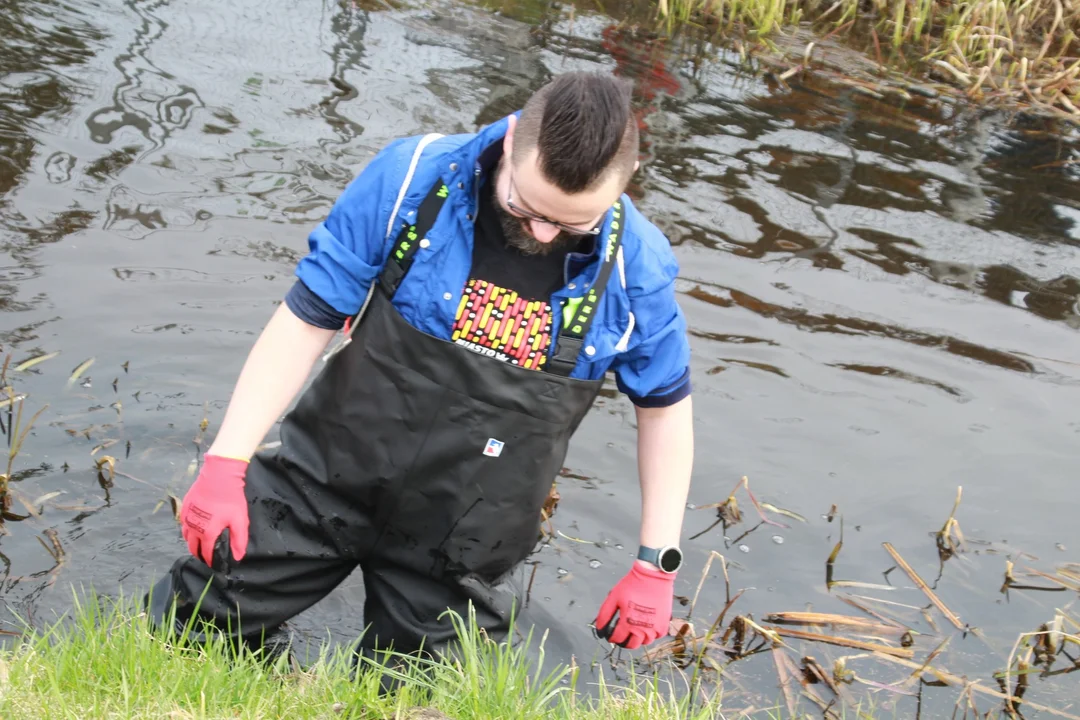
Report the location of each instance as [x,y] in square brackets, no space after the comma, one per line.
[516,232]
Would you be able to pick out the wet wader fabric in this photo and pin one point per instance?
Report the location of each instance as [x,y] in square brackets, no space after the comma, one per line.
[422,462]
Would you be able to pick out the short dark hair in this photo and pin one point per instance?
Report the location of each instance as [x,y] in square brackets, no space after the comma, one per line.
[584,128]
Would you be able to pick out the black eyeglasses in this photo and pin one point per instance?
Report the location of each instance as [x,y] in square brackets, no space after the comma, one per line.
[595,230]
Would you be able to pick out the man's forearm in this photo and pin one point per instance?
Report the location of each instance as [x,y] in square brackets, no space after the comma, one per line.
[275,370]
[665,462]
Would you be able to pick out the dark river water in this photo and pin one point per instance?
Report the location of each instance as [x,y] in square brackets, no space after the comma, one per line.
[883,302]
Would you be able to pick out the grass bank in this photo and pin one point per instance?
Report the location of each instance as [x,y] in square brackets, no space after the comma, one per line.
[1011,50]
[104,662]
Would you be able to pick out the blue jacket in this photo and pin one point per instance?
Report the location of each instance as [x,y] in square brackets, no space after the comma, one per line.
[639,331]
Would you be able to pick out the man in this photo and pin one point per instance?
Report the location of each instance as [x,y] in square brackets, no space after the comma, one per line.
[485,284]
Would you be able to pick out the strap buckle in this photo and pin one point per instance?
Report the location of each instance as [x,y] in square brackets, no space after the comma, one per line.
[391,277]
[564,359]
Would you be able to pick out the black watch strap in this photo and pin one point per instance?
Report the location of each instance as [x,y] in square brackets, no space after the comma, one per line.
[649,555]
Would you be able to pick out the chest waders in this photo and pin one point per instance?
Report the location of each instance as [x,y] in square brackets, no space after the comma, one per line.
[422,462]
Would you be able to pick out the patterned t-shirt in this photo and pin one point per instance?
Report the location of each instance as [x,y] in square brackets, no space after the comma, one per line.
[500,323]
[504,311]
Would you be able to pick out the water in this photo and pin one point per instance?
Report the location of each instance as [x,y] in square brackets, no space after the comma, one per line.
[883,301]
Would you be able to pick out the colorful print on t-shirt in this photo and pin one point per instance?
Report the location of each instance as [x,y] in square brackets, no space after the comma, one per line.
[496,322]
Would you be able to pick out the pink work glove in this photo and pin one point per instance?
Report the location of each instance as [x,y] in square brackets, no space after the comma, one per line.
[643,600]
[216,501]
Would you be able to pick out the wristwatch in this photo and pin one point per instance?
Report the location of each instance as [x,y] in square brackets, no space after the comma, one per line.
[669,558]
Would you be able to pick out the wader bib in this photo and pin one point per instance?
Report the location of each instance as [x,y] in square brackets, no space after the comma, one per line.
[423,462]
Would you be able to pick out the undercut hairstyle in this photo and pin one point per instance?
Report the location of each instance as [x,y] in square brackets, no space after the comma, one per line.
[583,126]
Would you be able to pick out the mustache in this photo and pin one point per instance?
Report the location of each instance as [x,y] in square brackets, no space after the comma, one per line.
[518,235]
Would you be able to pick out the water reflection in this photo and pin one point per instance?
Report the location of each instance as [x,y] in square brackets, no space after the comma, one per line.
[348,27]
[813,322]
[40,41]
[148,99]
[882,293]
[765,188]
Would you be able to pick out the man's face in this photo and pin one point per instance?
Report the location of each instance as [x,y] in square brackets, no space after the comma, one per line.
[536,215]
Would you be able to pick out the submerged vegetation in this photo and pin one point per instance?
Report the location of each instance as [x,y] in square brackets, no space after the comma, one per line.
[15,430]
[888,639]
[105,659]
[1015,50]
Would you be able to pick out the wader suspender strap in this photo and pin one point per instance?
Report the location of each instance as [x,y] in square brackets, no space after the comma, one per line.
[408,241]
[401,255]
[572,334]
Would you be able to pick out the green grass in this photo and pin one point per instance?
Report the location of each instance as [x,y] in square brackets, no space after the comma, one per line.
[105,661]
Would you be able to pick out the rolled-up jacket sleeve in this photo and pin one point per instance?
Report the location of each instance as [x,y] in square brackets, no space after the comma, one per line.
[655,371]
[347,249]
[311,308]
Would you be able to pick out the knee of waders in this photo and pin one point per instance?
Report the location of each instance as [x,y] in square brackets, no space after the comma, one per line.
[177,617]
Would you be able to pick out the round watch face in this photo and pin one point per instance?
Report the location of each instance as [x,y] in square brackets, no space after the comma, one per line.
[670,560]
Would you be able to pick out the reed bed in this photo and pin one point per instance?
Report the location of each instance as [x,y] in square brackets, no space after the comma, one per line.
[1011,50]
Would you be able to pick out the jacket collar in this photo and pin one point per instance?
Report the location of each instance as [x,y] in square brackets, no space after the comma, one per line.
[465,165]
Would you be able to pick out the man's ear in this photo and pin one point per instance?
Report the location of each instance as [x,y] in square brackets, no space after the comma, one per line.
[508,141]
[637,164]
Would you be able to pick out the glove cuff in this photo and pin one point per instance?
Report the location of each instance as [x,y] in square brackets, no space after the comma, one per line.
[229,458]
[652,573]
[223,468]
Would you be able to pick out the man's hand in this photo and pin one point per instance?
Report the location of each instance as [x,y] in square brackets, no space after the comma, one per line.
[215,502]
[275,370]
[643,600]
[665,455]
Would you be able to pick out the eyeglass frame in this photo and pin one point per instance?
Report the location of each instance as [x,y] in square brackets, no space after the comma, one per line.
[530,215]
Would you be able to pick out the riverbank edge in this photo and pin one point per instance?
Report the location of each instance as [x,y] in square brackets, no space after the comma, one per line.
[790,41]
[103,660]
[987,53]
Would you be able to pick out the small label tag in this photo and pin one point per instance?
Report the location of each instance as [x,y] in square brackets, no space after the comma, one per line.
[493,448]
